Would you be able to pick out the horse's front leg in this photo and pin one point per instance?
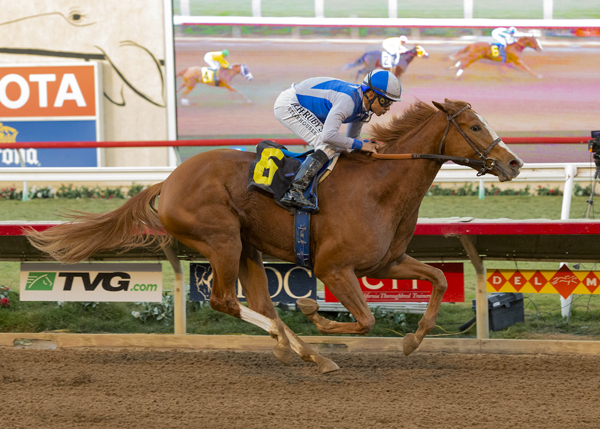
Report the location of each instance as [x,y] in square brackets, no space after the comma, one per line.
[231,88]
[409,268]
[344,285]
[526,68]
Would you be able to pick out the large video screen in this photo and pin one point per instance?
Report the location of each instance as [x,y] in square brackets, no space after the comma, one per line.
[552,89]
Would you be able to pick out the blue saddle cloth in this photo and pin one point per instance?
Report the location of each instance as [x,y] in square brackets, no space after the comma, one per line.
[274,169]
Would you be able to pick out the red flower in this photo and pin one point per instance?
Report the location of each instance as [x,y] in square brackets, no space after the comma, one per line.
[551,191]
[4,302]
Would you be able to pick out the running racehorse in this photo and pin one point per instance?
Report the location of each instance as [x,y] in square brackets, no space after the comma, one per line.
[219,77]
[483,50]
[372,60]
[368,213]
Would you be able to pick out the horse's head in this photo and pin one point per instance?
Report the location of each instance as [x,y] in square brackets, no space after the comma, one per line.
[468,135]
[531,42]
[245,72]
[421,52]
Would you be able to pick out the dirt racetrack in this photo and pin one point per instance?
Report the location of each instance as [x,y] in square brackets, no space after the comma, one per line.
[566,101]
[69,388]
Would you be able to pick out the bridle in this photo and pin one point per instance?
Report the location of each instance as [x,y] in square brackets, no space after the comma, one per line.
[483,164]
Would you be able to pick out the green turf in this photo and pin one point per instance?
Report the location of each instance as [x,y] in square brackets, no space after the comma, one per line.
[509,9]
[542,310]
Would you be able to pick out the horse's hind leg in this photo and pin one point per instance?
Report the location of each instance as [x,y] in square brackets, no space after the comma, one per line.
[255,285]
[223,251]
[462,65]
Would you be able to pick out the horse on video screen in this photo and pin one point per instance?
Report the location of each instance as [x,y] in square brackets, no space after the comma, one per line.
[483,50]
[212,77]
[368,213]
[372,60]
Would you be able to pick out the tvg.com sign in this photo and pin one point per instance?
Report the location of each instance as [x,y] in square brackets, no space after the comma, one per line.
[91,282]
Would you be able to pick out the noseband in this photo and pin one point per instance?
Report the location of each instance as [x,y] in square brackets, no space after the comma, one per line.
[487,163]
[483,164]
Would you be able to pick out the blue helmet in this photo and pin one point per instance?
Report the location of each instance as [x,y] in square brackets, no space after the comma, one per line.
[383,83]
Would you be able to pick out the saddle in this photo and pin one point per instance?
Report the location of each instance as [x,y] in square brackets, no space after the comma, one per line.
[275,167]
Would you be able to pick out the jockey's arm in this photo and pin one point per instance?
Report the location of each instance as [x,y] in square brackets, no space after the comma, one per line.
[331,128]
[354,129]
[223,62]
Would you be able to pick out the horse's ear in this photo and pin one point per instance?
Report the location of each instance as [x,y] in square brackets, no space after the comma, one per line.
[439,106]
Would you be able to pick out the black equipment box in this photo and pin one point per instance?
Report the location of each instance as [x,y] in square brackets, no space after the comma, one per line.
[504,309]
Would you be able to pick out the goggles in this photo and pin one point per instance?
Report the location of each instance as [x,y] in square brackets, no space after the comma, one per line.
[384,102]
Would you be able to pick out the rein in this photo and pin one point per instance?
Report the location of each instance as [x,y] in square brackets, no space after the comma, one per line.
[483,164]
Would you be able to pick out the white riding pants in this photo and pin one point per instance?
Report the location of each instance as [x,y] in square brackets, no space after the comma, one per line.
[302,122]
[211,63]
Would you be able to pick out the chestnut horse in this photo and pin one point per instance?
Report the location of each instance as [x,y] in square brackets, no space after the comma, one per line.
[368,214]
[193,75]
[483,50]
[372,60]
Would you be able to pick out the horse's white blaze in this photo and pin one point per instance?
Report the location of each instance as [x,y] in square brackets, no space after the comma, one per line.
[495,136]
[257,319]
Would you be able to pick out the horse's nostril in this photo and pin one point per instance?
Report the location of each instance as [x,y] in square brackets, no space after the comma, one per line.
[516,163]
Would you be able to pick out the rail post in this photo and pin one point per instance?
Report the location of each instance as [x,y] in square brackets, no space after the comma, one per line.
[179,316]
[481,299]
[570,173]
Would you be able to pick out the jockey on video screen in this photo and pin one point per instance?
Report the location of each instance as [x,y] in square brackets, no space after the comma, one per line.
[216,59]
[394,46]
[504,37]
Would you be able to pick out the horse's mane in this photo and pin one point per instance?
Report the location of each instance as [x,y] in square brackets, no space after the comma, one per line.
[400,125]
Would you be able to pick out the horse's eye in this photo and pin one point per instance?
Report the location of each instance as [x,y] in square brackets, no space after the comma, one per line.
[476,128]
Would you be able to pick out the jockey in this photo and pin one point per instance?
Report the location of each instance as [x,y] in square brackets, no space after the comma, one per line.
[394,46]
[216,59]
[504,37]
[316,108]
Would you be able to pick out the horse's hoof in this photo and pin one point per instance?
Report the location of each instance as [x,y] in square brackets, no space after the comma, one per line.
[326,365]
[282,353]
[409,344]
[307,306]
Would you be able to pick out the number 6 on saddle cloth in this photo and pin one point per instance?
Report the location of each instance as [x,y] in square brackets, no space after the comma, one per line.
[275,167]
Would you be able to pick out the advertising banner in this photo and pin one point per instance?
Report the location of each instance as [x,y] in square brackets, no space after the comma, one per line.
[389,290]
[287,283]
[562,281]
[46,103]
[113,282]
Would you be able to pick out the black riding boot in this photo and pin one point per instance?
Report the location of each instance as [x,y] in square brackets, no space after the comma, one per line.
[308,170]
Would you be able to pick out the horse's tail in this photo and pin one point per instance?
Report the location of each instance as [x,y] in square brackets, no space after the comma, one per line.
[133,224]
[354,64]
[460,53]
[181,73]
